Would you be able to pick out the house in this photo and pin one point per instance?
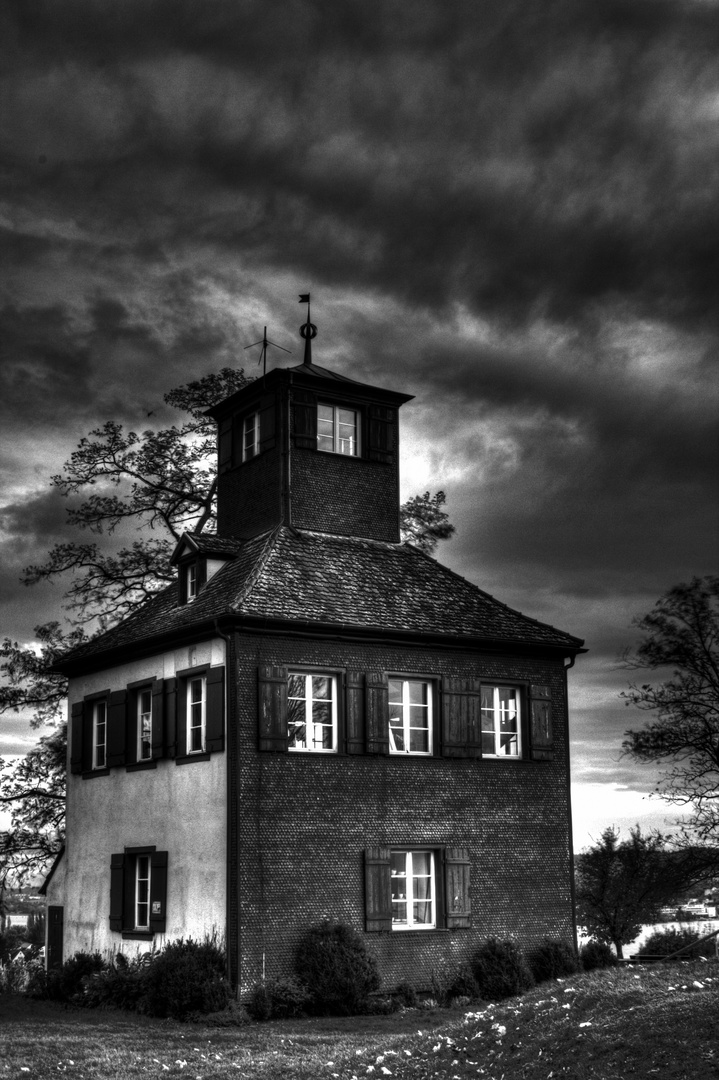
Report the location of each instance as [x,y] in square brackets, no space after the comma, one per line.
[317,721]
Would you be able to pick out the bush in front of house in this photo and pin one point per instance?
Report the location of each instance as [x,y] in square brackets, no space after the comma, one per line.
[120,984]
[666,942]
[187,977]
[596,954]
[333,962]
[69,982]
[552,959]
[500,970]
[278,999]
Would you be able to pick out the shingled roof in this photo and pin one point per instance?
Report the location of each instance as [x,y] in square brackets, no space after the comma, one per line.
[315,580]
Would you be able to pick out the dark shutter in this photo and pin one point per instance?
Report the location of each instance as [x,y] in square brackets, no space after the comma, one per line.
[171,717]
[158,718]
[215,716]
[201,574]
[88,721]
[131,724]
[541,739]
[224,444]
[158,891]
[304,419]
[267,423]
[458,907]
[77,713]
[354,713]
[181,718]
[377,712]
[116,719]
[381,434]
[378,891]
[461,718]
[117,878]
[55,921]
[272,690]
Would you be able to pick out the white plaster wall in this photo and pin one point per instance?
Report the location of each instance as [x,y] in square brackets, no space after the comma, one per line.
[180,809]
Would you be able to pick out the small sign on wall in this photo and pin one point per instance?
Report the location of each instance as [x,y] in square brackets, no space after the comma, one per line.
[156,907]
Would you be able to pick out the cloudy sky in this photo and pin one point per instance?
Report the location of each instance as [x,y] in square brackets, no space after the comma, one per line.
[508,209]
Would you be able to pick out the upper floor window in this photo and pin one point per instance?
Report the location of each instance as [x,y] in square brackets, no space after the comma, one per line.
[99,735]
[250,436]
[337,430]
[196,714]
[191,582]
[312,712]
[144,724]
[410,716]
[501,731]
[413,890]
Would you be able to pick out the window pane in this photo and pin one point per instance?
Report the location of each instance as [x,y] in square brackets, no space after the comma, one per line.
[421,863]
[321,687]
[487,742]
[395,690]
[417,692]
[422,913]
[396,736]
[418,741]
[322,712]
[296,686]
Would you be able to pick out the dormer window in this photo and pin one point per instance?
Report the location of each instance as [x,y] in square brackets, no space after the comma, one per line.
[337,430]
[250,436]
[191,582]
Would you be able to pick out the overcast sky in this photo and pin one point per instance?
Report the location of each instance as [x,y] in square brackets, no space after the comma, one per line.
[508,209]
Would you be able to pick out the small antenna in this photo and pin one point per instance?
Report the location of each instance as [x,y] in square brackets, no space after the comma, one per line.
[264,342]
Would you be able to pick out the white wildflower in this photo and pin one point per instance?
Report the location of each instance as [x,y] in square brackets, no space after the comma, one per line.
[586,1023]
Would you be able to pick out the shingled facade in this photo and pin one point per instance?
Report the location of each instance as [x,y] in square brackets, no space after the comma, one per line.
[317,721]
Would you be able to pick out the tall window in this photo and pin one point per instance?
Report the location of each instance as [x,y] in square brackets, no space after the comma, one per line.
[413,890]
[191,581]
[99,735]
[144,725]
[196,715]
[410,716]
[337,430]
[142,892]
[501,733]
[250,436]
[312,712]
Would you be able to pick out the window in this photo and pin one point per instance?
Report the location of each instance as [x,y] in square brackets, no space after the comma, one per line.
[138,892]
[191,582]
[142,892]
[410,716]
[501,732]
[250,436]
[312,712]
[144,724]
[337,430]
[413,890]
[99,735]
[196,715]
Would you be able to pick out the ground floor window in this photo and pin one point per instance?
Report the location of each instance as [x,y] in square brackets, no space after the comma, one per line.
[413,889]
[138,892]
[417,888]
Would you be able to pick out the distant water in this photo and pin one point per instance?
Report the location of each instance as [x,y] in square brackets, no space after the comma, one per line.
[699,926]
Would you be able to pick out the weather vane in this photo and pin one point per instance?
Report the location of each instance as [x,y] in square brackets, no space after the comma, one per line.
[264,342]
[308,330]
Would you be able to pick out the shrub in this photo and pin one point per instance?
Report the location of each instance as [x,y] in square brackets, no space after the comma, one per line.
[186,977]
[464,984]
[333,962]
[406,995]
[69,982]
[278,999]
[120,985]
[552,959]
[665,942]
[500,970]
[596,954]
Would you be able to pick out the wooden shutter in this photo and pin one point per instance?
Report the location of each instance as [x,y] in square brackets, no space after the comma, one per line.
[381,439]
[215,715]
[171,717]
[378,891]
[158,891]
[158,718]
[541,739]
[461,717]
[377,712]
[131,725]
[117,883]
[458,907]
[272,692]
[267,423]
[77,713]
[116,720]
[224,444]
[88,722]
[355,713]
[304,419]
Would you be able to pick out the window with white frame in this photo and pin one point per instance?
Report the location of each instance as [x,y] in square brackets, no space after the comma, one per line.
[413,890]
[196,714]
[142,892]
[501,721]
[144,724]
[337,430]
[191,582]
[251,436]
[99,735]
[410,716]
[312,712]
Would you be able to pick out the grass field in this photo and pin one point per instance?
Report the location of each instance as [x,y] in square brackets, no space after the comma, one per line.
[640,1023]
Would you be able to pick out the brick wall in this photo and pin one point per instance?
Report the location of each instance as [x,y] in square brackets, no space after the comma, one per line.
[248,497]
[305,821]
[345,496]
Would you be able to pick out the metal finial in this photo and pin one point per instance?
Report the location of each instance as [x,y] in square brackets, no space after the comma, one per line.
[308,330]
[264,342]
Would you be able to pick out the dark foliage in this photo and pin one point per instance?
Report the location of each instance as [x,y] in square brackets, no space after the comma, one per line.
[666,942]
[120,984]
[406,995]
[69,983]
[278,999]
[333,962]
[186,977]
[552,959]
[500,970]
[596,954]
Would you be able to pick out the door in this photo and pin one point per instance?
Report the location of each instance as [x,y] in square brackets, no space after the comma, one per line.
[55,922]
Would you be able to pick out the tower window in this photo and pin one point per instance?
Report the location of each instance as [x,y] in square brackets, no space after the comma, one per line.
[337,430]
[251,436]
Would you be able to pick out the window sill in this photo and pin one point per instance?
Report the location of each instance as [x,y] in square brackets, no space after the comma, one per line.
[137,935]
[139,766]
[92,773]
[189,758]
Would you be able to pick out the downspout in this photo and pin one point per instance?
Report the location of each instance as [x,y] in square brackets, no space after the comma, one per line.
[572,885]
[231,811]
